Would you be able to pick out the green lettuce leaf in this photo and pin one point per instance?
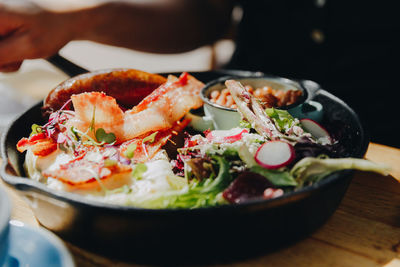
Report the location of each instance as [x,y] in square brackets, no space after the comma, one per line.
[276,177]
[283,120]
[309,170]
[195,194]
[245,124]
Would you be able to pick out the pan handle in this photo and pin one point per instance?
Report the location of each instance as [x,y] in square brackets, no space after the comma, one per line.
[69,68]
[311,87]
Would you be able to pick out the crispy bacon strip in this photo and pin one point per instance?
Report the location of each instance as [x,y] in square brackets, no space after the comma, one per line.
[39,143]
[160,91]
[85,174]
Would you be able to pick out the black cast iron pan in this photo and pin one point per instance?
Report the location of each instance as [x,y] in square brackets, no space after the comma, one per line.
[198,236]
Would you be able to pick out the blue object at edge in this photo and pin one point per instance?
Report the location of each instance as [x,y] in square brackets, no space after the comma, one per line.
[35,247]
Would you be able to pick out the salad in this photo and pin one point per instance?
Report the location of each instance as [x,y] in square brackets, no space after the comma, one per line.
[148,156]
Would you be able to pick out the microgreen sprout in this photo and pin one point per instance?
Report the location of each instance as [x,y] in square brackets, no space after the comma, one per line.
[150,138]
[138,171]
[36,129]
[92,123]
[130,150]
[89,141]
[104,137]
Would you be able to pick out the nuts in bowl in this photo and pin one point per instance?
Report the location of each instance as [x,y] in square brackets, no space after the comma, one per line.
[276,92]
[268,96]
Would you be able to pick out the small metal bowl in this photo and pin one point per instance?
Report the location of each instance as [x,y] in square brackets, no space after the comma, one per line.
[224,118]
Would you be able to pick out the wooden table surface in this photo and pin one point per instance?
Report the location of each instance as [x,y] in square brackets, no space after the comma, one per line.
[364,231]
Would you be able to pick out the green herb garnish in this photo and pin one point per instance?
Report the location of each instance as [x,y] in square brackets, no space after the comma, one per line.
[130,150]
[138,171]
[36,129]
[245,124]
[75,133]
[150,138]
[104,137]
[92,123]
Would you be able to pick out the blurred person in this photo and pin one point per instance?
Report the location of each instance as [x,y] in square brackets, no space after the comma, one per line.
[32,29]
[349,47]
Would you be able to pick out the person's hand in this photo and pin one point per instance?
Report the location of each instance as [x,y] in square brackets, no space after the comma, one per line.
[29,32]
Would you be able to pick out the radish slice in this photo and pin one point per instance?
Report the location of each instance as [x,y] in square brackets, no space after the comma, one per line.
[315,129]
[274,154]
[226,136]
